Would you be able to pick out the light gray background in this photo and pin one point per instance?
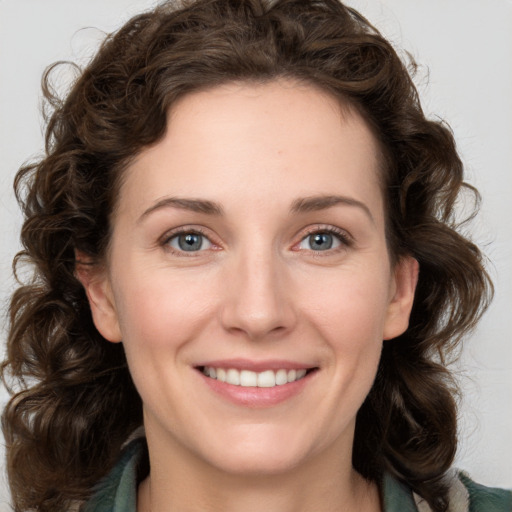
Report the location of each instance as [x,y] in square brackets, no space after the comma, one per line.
[465,49]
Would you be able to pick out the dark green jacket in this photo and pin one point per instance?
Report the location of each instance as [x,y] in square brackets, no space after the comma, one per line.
[118,491]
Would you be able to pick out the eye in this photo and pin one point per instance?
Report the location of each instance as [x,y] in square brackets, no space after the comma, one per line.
[323,240]
[189,242]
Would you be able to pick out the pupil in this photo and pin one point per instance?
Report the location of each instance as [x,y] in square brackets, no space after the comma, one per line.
[190,242]
[321,241]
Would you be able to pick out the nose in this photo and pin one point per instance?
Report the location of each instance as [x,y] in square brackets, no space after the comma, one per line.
[258,300]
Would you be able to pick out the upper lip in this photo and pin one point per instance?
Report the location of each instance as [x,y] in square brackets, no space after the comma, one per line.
[257,366]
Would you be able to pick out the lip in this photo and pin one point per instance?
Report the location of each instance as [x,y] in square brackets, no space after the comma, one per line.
[255,397]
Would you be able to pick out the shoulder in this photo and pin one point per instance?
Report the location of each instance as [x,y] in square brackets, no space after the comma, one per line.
[117,492]
[486,499]
[465,495]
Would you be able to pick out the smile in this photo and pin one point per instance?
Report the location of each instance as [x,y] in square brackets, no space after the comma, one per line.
[248,378]
[256,385]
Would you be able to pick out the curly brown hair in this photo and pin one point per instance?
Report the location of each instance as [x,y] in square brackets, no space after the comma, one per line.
[62,431]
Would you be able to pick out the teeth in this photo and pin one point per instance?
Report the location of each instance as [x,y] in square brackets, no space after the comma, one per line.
[233,377]
[247,378]
[266,379]
[281,377]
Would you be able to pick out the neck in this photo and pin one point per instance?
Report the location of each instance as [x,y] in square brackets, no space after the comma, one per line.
[253,497]
[181,482]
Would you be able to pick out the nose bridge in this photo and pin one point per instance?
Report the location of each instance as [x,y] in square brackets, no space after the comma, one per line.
[257,301]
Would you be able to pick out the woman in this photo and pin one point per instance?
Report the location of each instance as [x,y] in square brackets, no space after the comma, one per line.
[243,240]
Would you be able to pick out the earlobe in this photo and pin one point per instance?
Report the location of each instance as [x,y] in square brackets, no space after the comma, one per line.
[406,273]
[99,293]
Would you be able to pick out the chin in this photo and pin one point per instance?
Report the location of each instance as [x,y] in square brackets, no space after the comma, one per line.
[258,456]
[256,464]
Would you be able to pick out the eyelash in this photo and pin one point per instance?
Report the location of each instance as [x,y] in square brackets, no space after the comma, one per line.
[169,236]
[346,241]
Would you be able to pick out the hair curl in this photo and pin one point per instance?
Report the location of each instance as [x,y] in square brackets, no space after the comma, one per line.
[63,431]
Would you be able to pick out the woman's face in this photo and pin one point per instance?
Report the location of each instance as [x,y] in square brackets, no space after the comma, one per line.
[249,244]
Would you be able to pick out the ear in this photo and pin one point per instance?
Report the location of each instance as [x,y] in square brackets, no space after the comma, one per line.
[403,288]
[98,289]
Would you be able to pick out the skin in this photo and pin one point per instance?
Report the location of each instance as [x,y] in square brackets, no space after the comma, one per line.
[259,290]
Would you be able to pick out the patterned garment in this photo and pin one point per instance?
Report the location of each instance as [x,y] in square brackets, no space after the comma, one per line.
[117,492]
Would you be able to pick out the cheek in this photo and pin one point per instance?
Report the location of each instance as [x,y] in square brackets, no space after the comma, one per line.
[159,319]
[350,317]
[159,309]
[350,305]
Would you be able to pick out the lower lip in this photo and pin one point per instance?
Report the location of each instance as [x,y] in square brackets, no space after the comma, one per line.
[257,398]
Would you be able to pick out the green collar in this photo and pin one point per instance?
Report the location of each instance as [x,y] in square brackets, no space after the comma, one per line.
[397,497]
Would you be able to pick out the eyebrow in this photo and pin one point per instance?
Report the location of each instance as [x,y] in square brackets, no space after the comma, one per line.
[193,205]
[316,203]
[301,205]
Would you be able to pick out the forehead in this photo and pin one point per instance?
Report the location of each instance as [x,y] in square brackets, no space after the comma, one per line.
[270,141]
